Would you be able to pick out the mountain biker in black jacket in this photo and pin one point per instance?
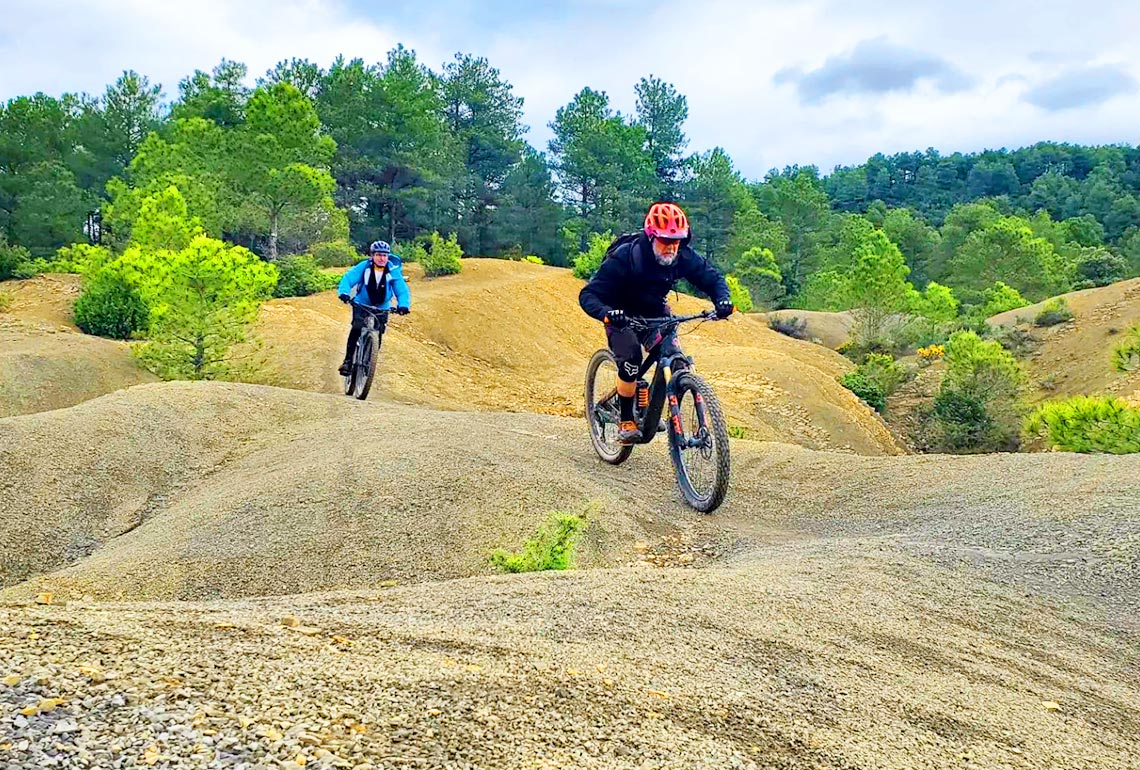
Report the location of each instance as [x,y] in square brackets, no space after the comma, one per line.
[634,280]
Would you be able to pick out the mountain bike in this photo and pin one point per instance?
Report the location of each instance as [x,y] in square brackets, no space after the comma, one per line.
[358,381]
[698,435]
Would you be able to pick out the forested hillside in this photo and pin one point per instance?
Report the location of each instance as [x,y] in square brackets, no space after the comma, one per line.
[307,156]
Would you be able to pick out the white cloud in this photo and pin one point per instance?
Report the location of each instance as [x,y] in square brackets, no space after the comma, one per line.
[83,46]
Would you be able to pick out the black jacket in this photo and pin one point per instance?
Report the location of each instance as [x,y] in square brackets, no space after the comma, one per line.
[633,281]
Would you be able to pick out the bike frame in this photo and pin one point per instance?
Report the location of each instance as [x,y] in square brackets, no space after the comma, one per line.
[370,328]
[661,387]
[374,312]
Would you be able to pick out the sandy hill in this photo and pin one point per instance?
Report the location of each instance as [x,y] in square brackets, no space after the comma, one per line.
[1072,358]
[202,490]
[45,361]
[828,329]
[500,336]
[509,336]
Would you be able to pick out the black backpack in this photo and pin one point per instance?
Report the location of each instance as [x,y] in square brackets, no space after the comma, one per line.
[620,241]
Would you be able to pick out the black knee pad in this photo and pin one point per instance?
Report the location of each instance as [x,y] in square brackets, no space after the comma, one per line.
[627,350]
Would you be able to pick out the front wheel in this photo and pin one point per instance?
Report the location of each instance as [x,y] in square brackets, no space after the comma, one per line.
[698,443]
[365,368]
[602,410]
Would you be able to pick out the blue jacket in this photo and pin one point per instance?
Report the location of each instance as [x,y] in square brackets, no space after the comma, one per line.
[353,283]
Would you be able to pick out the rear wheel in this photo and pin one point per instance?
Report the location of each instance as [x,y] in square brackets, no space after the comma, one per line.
[602,411]
[700,450]
[365,368]
[350,378]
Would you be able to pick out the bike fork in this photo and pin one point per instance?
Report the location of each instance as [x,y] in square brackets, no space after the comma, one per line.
[678,427]
[675,416]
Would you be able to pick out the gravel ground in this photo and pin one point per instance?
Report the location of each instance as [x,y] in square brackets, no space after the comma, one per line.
[200,491]
[837,655]
[847,612]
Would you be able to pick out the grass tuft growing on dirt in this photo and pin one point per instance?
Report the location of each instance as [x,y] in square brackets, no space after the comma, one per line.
[552,546]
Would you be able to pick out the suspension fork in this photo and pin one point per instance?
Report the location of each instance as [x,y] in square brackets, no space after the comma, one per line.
[674,402]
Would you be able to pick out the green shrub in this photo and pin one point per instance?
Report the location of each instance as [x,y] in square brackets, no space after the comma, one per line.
[78,258]
[300,276]
[875,380]
[979,405]
[1053,312]
[964,423]
[937,303]
[1087,424]
[532,259]
[741,298]
[206,300]
[999,298]
[588,262]
[759,271]
[981,366]
[1126,355]
[823,290]
[11,259]
[110,306]
[884,370]
[334,254]
[866,389]
[6,298]
[1097,266]
[442,257]
[920,332]
[896,337]
[412,251]
[552,546]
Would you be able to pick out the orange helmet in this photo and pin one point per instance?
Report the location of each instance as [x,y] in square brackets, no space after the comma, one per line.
[666,220]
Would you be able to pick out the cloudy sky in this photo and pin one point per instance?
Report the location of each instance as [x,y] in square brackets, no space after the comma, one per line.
[821,82]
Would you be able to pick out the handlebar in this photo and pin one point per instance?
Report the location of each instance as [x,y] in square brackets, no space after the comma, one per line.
[374,309]
[650,323]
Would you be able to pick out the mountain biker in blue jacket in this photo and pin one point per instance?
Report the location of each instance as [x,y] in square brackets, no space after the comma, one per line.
[634,281]
[377,282]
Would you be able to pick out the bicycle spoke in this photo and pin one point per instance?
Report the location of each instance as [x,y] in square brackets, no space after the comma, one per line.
[603,411]
[696,446]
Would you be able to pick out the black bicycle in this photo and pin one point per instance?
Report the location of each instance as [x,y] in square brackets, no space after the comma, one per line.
[698,435]
[358,381]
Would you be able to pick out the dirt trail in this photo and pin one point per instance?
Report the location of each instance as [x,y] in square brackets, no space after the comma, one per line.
[509,336]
